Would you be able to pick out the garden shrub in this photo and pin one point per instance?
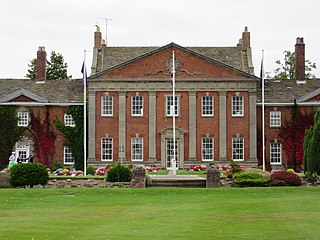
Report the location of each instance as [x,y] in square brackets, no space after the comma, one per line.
[4,180]
[284,178]
[235,167]
[312,177]
[119,173]
[28,174]
[250,179]
[55,166]
[291,170]
[90,170]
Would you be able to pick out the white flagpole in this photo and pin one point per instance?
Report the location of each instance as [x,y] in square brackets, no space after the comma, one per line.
[263,115]
[84,116]
[174,114]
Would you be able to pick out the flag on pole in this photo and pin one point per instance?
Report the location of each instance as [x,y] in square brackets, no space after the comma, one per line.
[261,73]
[84,75]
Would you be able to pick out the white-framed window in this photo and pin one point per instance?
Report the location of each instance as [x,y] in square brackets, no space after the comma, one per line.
[275,119]
[137,149]
[207,149]
[106,149]
[171,108]
[237,106]
[67,156]
[237,149]
[68,120]
[275,153]
[137,106]
[107,106]
[207,106]
[23,119]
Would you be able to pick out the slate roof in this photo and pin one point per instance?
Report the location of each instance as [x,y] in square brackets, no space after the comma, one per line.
[286,91]
[233,56]
[52,91]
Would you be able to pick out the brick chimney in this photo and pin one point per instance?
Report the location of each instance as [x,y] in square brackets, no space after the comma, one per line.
[41,64]
[97,38]
[300,59]
[246,38]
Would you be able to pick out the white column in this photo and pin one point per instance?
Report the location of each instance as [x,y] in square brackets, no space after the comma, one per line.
[152,125]
[223,126]
[122,123]
[192,125]
[92,127]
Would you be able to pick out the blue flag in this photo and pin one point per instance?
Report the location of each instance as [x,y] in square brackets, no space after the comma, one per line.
[84,76]
[261,73]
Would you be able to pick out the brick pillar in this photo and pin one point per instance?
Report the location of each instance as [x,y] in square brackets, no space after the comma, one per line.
[97,38]
[41,64]
[246,38]
[138,178]
[300,59]
[213,177]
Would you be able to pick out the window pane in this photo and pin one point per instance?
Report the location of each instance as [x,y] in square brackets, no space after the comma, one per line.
[237,149]
[106,105]
[137,149]
[207,149]
[23,119]
[275,119]
[207,106]
[275,153]
[237,106]
[106,149]
[68,158]
[68,120]
[170,107]
[137,106]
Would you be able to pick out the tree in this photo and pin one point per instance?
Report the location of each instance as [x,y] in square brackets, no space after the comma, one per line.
[10,133]
[56,68]
[312,147]
[286,70]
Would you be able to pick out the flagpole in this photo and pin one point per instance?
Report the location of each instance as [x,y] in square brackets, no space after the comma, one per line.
[174,115]
[263,120]
[84,115]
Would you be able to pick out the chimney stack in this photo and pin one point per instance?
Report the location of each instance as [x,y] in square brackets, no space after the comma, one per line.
[246,38]
[41,64]
[97,38]
[300,59]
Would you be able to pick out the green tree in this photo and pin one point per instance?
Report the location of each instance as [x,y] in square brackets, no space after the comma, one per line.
[287,70]
[56,68]
[312,147]
[10,133]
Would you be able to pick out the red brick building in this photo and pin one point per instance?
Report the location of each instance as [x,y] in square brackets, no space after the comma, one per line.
[39,103]
[131,105]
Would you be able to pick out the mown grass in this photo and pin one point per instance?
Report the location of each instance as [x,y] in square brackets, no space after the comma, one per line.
[160,213]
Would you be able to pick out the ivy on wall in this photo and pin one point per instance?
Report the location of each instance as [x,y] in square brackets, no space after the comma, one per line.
[74,135]
[10,133]
[292,136]
[44,139]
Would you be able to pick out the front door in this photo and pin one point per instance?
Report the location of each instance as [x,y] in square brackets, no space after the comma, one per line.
[22,151]
[169,152]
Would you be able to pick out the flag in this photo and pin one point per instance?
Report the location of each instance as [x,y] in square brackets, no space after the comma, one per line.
[261,73]
[84,75]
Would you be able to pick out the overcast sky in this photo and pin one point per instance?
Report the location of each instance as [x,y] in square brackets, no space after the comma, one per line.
[67,27]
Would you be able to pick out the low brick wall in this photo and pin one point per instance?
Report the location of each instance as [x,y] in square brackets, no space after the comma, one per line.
[84,183]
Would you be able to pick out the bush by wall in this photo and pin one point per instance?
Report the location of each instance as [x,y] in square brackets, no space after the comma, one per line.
[284,178]
[250,179]
[28,174]
[90,170]
[119,173]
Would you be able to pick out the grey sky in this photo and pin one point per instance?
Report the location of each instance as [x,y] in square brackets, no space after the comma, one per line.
[67,27]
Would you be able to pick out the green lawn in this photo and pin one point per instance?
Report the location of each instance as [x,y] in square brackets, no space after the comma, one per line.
[160,213]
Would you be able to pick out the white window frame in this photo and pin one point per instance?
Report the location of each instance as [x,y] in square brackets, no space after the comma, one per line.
[238,149]
[237,108]
[67,156]
[137,106]
[137,149]
[169,106]
[23,118]
[107,149]
[107,106]
[68,120]
[275,153]
[207,106]
[207,146]
[275,119]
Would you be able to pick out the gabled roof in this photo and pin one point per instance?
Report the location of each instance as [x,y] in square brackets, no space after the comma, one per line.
[23,92]
[287,91]
[51,91]
[116,57]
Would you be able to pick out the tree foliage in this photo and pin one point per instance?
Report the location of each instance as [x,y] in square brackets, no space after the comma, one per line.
[312,147]
[56,68]
[287,70]
[74,135]
[10,133]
